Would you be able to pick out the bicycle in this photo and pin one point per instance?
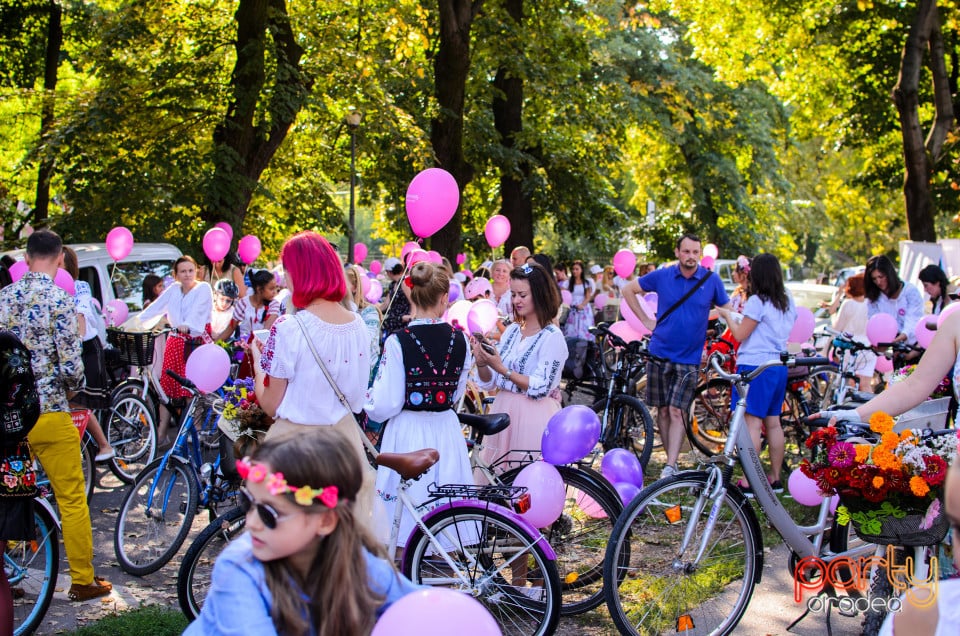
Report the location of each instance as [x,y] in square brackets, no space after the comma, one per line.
[687,552]
[196,568]
[32,567]
[158,509]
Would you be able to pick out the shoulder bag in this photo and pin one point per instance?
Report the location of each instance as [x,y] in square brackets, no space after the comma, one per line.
[690,293]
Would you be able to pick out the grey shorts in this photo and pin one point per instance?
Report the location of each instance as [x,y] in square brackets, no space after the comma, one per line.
[671,384]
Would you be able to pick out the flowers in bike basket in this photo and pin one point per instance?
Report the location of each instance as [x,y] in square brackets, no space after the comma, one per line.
[944,389]
[889,475]
[242,415]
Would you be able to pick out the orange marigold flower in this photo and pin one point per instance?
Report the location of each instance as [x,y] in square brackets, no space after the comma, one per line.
[880,422]
[863,452]
[906,435]
[877,481]
[889,440]
[918,486]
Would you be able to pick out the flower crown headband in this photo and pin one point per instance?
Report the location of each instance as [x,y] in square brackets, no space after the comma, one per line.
[277,485]
[743,263]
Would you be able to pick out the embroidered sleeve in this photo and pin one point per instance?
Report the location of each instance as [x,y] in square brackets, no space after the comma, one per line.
[510,338]
[269,361]
[547,364]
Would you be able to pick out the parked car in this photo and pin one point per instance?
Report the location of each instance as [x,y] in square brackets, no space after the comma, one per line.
[123,280]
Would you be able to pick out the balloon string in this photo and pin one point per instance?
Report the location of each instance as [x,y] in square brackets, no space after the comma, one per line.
[113,272]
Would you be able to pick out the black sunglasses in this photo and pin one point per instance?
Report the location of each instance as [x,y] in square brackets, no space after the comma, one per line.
[268,515]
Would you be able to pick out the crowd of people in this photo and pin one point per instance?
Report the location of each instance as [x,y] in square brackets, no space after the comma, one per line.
[321,354]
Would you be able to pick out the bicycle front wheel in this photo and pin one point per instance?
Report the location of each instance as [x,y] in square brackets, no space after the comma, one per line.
[628,425]
[495,560]
[155,516]
[708,421]
[655,587]
[132,432]
[31,566]
[196,569]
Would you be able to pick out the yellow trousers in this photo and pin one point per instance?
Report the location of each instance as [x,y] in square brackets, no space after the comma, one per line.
[56,442]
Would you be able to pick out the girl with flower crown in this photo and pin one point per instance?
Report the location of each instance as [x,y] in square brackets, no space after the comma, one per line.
[305,564]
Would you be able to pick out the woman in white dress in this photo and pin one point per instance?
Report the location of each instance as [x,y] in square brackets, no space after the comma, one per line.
[421,377]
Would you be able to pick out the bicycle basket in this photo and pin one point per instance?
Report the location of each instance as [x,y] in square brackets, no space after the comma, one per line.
[904,531]
[80,419]
[135,348]
[930,414]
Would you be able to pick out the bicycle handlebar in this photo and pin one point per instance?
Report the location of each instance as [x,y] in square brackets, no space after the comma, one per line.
[786,359]
[184,382]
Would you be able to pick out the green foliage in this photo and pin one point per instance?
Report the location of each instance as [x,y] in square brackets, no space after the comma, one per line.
[148,620]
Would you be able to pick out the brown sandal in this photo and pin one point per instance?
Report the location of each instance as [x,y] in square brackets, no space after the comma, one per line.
[98,588]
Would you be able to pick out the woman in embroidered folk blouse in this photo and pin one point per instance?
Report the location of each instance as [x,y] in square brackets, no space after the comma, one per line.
[421,377]
[526,369]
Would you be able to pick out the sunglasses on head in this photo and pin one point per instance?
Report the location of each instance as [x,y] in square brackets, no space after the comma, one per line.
[526,269]
[268,515]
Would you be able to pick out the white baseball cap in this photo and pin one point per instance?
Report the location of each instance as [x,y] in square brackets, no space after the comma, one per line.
[391,265]
[595,269]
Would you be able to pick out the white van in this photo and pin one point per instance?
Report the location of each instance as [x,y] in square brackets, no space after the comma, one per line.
[97,268]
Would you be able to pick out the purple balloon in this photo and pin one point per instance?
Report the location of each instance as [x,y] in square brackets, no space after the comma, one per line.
[620,465]
[570,434]
[454,292]
[626,490]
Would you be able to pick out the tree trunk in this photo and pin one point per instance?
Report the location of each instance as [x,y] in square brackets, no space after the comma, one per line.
[450,69]
[508,120]
[919,157]
[243,147]
[51,65]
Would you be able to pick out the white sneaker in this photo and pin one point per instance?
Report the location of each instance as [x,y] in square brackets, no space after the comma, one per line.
[668,471]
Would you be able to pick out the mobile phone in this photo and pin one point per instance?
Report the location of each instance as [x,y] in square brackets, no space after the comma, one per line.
[261,335]
[485,344]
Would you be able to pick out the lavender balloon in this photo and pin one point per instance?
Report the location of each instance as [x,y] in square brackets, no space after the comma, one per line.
[570,434]
[627,491]
[620,465]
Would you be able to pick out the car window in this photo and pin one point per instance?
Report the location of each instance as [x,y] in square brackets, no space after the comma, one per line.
[128,279]
[89,274]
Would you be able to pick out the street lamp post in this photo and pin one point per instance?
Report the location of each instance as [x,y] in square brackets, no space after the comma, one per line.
[352,119]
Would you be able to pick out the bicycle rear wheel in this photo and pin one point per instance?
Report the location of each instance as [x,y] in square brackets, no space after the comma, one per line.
[824,381]
[655,588]
[501,566]
[155,516]
[132,432]
[708,420]
[629,425]
[196,569]
[31,566]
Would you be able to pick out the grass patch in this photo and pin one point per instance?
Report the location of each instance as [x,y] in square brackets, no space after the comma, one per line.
[149,620]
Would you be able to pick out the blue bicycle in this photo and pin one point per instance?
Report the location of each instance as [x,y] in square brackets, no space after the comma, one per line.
[158,510]
[31,568]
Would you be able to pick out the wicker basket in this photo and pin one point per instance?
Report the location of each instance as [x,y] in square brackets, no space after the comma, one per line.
[903,531]
[135,348]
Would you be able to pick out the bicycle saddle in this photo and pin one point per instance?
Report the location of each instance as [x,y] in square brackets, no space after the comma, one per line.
[489,424]
[409,465]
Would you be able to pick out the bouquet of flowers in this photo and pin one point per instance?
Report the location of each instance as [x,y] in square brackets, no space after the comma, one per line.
[242,416]
[944,389]
[889,489]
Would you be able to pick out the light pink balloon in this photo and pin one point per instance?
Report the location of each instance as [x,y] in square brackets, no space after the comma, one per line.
[208,366]
[376,267]
[468,273]
[482,317]
[216,244]
[923,333]
[18,269]
[408,247]
[653,301]
[600,300]
[632,319]
[566,296]
[364,285]
[497,230]
[64,281]
[457,314]
[884,364]
[803,489]
[881,328]
[547,493]
[449,612]
[461,259]
[119,242]
[951,308]
[434,257]
[711,250]
[248,249]
[625,331]
[803,327]
[416,256]
[116,313]
[432,200]
[708,261]
[226,227]
[624,262]
[359,253]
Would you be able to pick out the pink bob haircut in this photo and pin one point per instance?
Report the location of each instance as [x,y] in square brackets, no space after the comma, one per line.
[313,269]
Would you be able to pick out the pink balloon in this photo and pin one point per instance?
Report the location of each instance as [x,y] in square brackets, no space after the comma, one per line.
[951,308]
[923,333]
[600,300]
[359,253]
[482,317]
[625,331]
[216,244]
[364,285]
[708,261]
[432,200]
[566,297]
[116,313]
[468,273]
[119,242]
[226,227]
[376,267]
[632,319]
[208,366]
[415,256]
[64,281]
[881,328]
[652,300]
[248,249]
[434,257]
[547,493]
[803,489]
[884,364]
[408,247]
[457,314]
[711,250]
[461,259]
[449,612]
[497,230]
[18,269]
[590,506]
[803,327]
[624,262]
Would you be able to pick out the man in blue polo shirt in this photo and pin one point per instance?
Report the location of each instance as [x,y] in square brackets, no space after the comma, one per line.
[686,293]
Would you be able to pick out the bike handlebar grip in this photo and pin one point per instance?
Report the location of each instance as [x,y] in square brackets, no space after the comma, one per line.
[812,362]
[818,422]
[179,378]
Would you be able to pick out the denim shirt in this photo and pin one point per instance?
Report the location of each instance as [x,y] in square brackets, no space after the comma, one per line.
[239,601]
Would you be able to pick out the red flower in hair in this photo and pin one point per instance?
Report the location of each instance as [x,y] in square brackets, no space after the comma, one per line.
[408,282]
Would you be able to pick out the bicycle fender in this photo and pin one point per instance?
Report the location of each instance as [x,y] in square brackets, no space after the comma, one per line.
[45,503]
[532,532]
[744,504]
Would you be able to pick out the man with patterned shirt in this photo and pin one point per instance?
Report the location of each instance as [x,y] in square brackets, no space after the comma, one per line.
[44,317]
